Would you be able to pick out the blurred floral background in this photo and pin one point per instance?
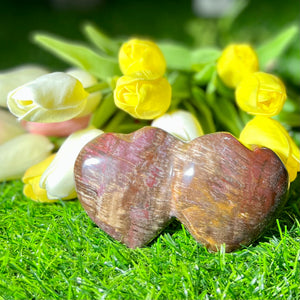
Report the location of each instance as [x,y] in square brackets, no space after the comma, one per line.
[193,22]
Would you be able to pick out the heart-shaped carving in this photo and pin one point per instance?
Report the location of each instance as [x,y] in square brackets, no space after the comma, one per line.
[133,185]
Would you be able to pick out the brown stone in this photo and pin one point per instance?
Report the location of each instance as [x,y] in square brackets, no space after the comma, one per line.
[133,185]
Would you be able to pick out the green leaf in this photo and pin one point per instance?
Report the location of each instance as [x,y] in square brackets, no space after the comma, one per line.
[203,77]
[245,117]
[175,103]
[104,111]
[288,65]
[211,88]
[291,119]
[182,58]
[180,84]
[223,108]
[224,90]
[290,113]
[291,105]
[203,56]
[272,49]
[177,57]
[204,113]
[100,40]
[190,108]
[80,56]
[115,121]
[227,114]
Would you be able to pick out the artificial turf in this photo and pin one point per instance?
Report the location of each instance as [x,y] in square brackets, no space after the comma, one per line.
[54,251]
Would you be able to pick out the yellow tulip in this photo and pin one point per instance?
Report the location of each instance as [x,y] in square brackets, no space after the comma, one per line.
[269,133]
[261,94]
[143,98]
[32,178]
[53,97]
[142,56]
[235,63]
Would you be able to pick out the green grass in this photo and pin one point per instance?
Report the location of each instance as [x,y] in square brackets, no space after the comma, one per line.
[54,251]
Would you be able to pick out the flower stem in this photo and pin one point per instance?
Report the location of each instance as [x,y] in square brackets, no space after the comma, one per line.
[116,120]
[97,87]
[104,112]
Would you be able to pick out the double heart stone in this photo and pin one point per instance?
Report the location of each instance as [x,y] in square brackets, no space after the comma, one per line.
[133,185]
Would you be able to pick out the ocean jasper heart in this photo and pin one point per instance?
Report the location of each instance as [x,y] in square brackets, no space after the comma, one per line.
[133,185]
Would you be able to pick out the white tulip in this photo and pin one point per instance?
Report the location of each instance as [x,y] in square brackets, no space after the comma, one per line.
[9,126]
[22,152]
[12,78]
[54,97]
[181,124]
[87,80]
[58,178]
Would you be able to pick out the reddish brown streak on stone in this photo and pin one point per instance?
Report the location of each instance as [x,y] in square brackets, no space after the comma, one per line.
[133,185]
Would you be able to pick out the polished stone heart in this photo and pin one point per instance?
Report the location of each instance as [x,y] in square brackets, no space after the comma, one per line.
[133,185]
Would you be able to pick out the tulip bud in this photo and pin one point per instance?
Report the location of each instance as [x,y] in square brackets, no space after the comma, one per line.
[181,124]
[31,181]
[142,98]
[87,80]
[11,79]
[236,62]
[58,178]
[53,97]
[22,152]
[9,126]
[142,56]
[261,94]
[269,133]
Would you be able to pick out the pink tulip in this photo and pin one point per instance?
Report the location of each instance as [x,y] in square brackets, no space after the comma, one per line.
[59,129]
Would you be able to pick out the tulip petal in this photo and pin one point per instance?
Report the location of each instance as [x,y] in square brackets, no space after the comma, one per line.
[142,55]
[58,178]
[143,98]
[31,181]
[236,62]
[261,94]
[34,192]
[35,170]
[53,97]
[181,124]
[59,129]
[266,132]
[9,126]
[87,80]
[40,115]
[22,152]
[13,78]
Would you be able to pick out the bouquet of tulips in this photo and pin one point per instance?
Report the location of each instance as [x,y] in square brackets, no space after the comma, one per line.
[123,85]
